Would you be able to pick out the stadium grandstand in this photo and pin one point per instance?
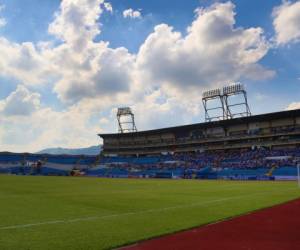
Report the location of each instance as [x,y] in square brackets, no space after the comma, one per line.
[262,146]
[230,145]
[273,131]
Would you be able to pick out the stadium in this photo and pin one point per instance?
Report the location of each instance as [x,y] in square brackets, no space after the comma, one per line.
[149,125]
[227,183]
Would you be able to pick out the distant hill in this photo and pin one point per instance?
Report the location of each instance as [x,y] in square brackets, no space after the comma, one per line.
[93,150]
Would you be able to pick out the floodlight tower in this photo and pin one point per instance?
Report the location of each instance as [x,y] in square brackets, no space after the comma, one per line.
[127,125]
[230,91]
[210,96]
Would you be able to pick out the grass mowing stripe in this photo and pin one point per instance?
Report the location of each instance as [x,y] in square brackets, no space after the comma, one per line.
[134,213]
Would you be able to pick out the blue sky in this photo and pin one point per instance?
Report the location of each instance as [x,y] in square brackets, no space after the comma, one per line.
[67,65]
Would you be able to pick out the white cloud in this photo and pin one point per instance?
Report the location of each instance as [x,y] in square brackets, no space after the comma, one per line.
[108,7]
[2,19]
[108,73]
[162,109]
[2,22]
[76,22]
[260,96]
[48,128]
[130,13]
[87,69]
[293,105]
[27,126]
[92,79]
[287,22]
[25,63]
[212,53]
[21,102]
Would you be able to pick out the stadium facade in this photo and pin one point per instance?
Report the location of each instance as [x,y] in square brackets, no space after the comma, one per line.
[272,130]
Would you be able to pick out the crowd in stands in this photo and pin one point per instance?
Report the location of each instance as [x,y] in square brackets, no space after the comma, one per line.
[183,164]
[237,159]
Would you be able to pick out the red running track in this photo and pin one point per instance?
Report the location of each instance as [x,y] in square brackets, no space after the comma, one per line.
[276,228]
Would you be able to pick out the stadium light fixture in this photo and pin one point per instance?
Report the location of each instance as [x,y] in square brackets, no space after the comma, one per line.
[209,97]
[227,109]
[236,89]
[127,125]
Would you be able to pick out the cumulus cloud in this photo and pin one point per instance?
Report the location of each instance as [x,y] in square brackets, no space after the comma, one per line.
[92,79]
[25,125]
[87,69]
[287,22]
[293,105]
[25,63]
[20,102]
[172,110]
[76,22]
[48,128]
[130,13]
[2,19]
[108,7]
[109,74]
[212,53]
[2,22]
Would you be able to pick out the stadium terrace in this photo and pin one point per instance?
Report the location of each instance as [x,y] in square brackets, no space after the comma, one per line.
[279,130]
[263,146]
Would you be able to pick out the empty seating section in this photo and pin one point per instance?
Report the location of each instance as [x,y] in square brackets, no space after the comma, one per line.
[233,164]
[8,158]
[26,164]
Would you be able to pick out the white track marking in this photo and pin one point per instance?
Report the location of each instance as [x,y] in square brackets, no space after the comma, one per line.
[92,218]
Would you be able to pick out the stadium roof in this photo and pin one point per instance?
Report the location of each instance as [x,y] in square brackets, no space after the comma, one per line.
[222,123]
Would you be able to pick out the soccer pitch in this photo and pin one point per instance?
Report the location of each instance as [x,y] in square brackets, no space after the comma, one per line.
[92,213]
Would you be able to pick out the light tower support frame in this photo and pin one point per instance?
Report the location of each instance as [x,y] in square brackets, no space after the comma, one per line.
[126,126]
[209,96]
[235,90]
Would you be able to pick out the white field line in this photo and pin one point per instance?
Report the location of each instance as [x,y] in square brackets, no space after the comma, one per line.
[211,188]
[3,195]
[197,204]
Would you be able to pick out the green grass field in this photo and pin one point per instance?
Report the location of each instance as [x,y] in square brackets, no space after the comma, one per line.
[92,213]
